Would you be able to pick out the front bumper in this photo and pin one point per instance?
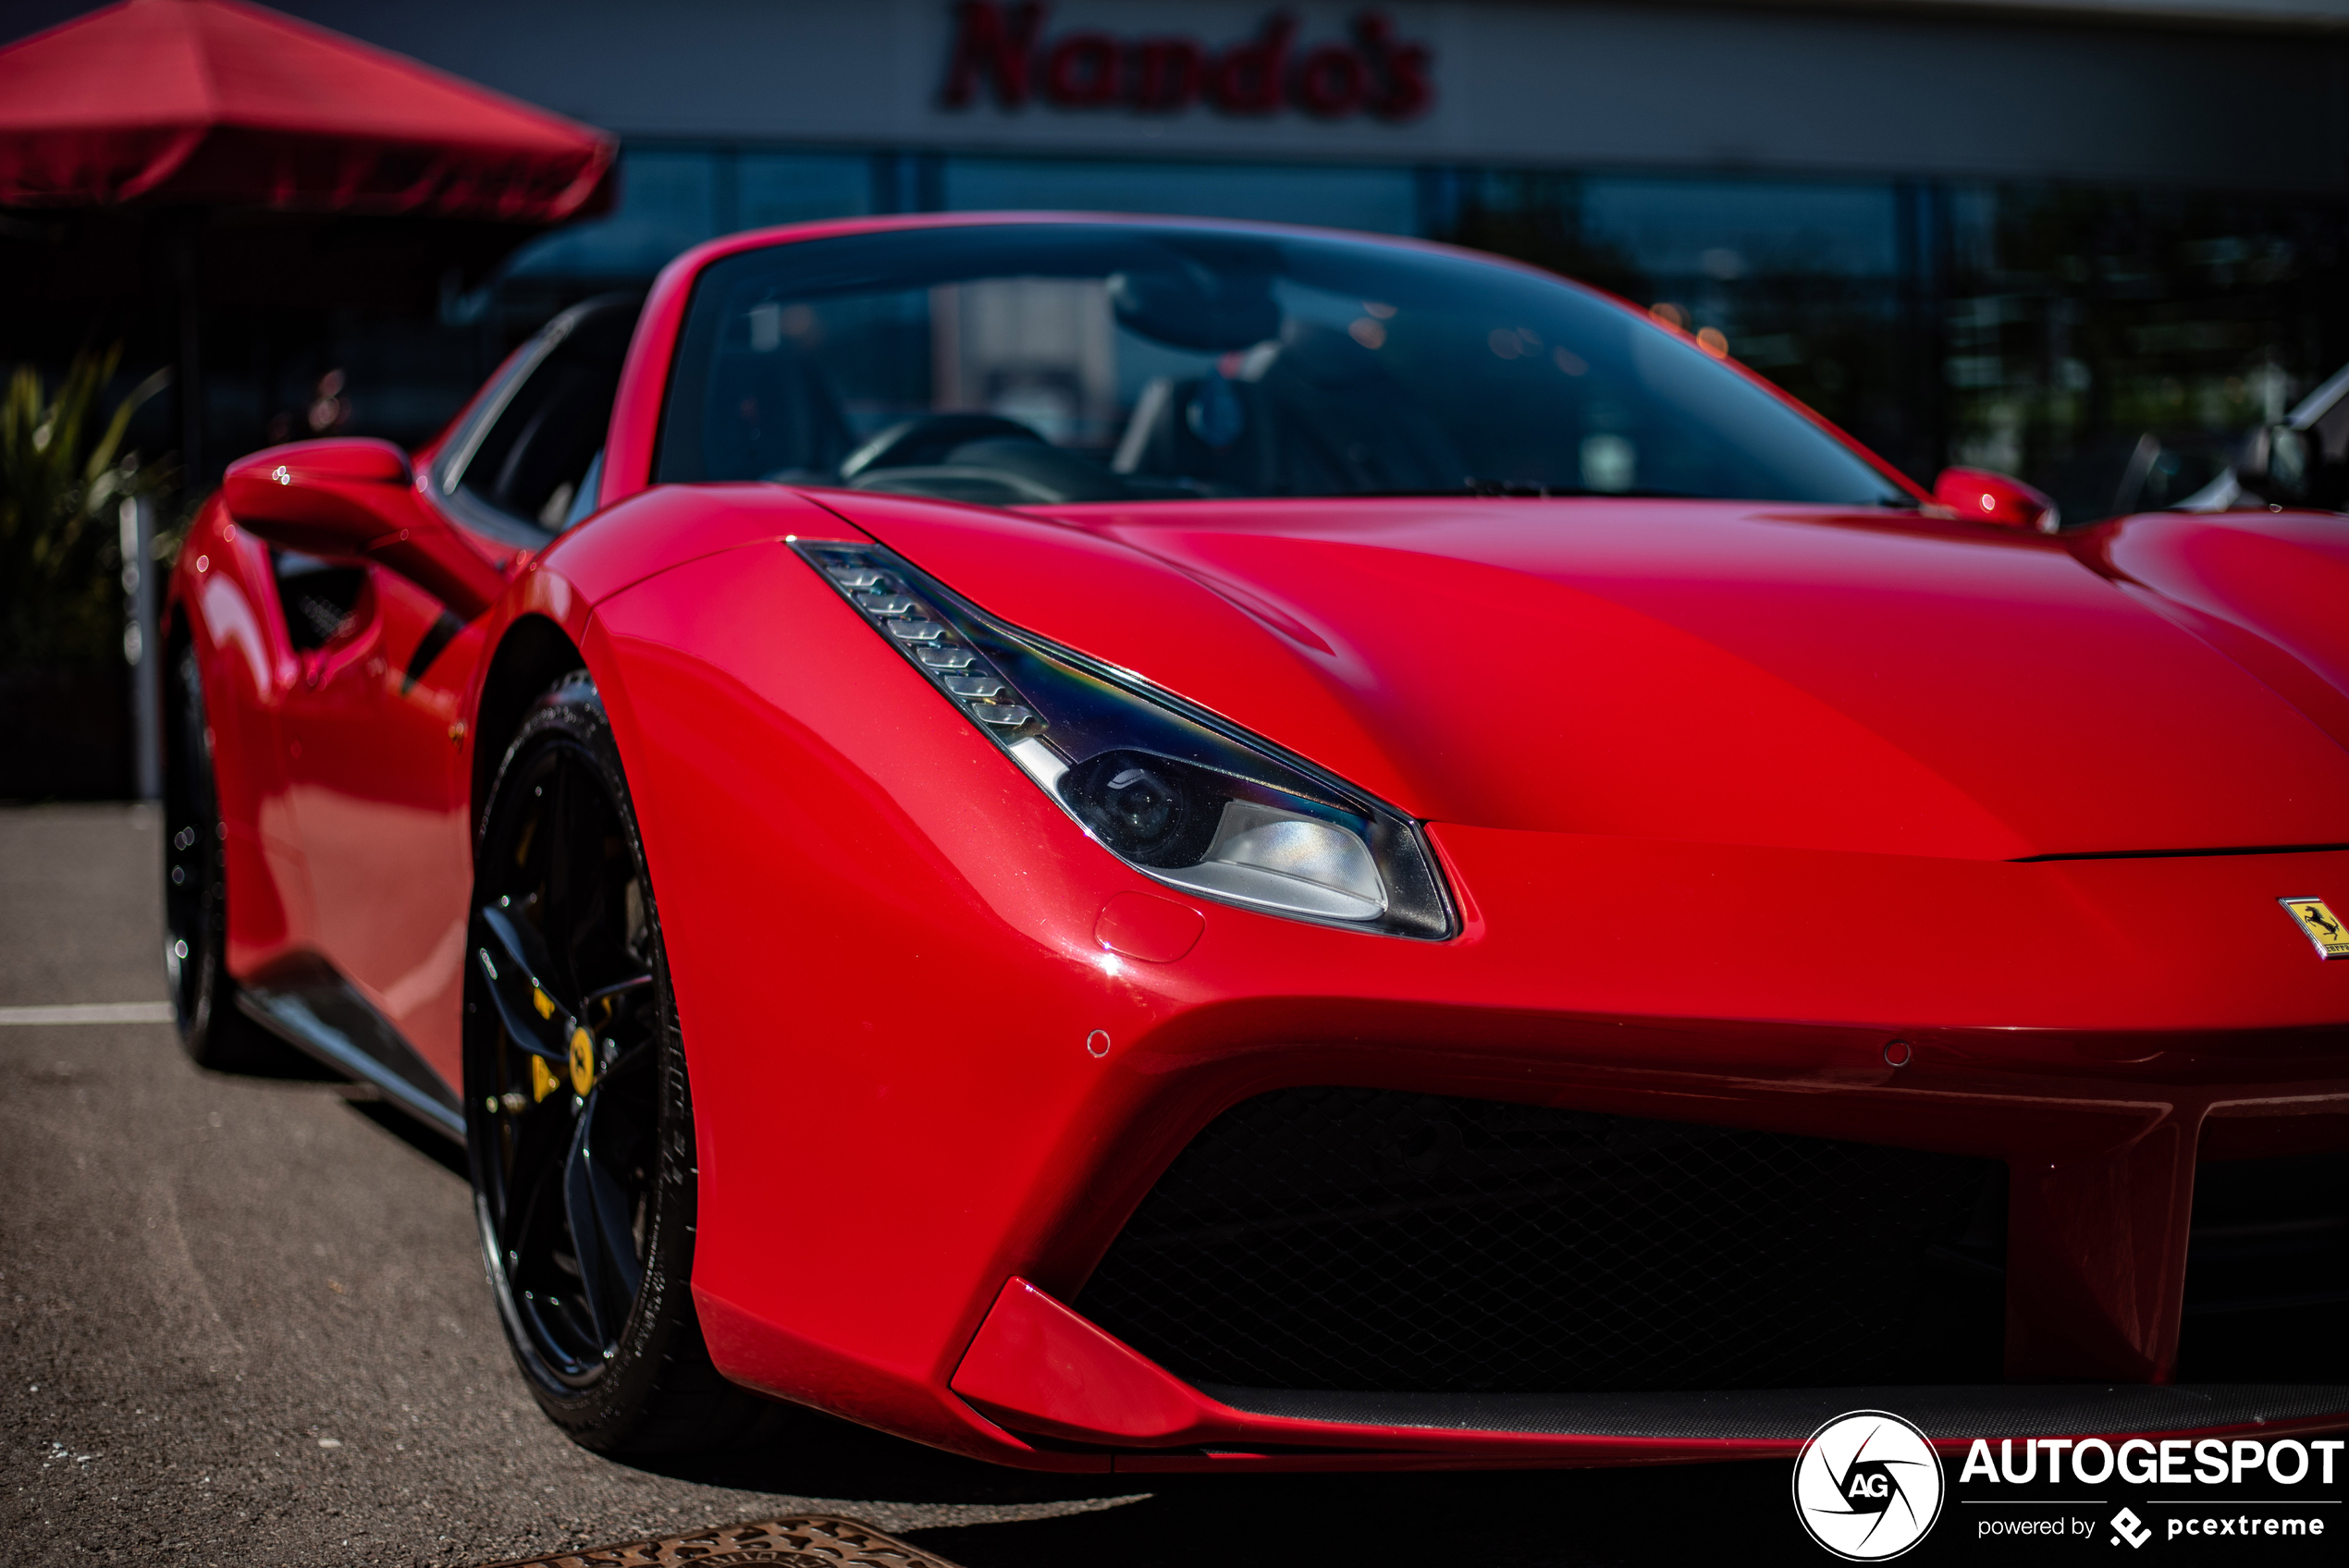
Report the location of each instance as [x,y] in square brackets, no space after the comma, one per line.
[919,1075]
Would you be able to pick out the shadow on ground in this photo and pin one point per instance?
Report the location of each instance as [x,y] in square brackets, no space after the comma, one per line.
[1708,1513]
[1586,1518]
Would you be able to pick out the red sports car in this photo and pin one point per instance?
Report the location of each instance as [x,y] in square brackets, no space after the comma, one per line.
[1132,844]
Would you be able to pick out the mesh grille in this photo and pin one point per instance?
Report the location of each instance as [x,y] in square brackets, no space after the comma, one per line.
[1370,1240]
[2268,1271]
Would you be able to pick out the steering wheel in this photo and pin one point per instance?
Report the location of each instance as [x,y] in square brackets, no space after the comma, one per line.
[927,439]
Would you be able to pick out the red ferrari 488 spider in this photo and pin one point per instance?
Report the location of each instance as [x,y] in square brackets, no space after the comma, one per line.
[1146,844]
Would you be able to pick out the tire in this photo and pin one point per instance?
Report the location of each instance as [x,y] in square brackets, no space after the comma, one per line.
[195,890]
[571,1030]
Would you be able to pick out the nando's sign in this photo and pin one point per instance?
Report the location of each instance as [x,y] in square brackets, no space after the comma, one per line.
[1005,51]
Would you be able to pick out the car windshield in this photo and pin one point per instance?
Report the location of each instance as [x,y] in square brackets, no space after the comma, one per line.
[1037,363]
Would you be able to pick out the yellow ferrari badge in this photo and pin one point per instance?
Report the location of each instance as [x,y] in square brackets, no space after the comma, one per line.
[582,1062]
[2321,925]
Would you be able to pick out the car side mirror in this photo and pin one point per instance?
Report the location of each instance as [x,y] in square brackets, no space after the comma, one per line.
[356,499]
[2275,463]
[1985,497]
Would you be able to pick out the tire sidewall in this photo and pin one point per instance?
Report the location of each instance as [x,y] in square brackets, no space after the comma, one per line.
[198,915]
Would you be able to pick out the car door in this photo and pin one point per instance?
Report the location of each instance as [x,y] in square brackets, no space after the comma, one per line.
[378,794]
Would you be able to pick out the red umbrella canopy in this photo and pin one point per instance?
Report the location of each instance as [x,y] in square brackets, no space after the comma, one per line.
[214,103]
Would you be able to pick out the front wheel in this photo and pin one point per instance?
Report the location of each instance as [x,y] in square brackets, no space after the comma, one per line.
[579,1115]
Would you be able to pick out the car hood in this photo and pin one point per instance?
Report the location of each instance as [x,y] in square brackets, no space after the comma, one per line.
[1715,672]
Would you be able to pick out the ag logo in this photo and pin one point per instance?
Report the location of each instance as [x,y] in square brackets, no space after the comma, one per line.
[1867,1486]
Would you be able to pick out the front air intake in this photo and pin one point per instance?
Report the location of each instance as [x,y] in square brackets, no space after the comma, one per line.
[2268,1271]
[1371,1240]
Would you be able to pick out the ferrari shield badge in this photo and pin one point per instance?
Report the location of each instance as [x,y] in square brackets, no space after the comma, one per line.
[582,1062]
[2320,924]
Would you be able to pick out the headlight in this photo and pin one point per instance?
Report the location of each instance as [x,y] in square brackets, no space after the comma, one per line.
[1171,789]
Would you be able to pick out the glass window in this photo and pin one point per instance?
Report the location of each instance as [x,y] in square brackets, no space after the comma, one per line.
[536,461]
[1803,279]
[1720,228]
[2114,346]
[780,187]
[1377,201]
[1034,363]
[2111,344]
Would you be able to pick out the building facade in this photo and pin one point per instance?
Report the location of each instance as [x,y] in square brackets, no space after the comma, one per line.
[2032,236]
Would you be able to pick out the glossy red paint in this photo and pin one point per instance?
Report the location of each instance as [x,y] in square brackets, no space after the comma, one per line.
[1729,796]
[1148,927]
[1980,496]
[1750,675]
[667,527]
[358,498]
[378,791]
[340,784]
[2264,588]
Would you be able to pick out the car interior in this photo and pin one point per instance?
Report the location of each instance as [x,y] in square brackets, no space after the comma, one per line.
[1306,411]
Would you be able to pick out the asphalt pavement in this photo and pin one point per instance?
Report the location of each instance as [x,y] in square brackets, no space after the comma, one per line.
[244,1321]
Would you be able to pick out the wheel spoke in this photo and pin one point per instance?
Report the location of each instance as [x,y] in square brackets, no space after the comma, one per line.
[541,1136]
[628,1063]
[614,990]
[514,962]
[602,1238]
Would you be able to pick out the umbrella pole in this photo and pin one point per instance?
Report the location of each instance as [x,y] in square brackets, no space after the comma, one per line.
[141,646]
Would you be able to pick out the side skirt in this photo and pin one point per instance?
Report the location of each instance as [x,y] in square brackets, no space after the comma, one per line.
[1786,1415]
[318,1011]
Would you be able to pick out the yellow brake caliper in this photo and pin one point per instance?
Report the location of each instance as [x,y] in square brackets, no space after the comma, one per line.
[542,1077]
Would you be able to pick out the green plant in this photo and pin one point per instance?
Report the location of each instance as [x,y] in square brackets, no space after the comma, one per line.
[60,474]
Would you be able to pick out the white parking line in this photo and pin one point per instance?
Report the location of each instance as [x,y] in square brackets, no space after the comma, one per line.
[90,1013]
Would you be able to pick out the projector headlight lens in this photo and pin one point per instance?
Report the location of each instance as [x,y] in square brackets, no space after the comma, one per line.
[1171,789]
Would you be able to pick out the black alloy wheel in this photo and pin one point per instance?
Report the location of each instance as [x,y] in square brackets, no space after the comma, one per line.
[579,1118]
[195,887]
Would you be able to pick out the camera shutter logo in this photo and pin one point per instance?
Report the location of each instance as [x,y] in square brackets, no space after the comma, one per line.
[1867,1486]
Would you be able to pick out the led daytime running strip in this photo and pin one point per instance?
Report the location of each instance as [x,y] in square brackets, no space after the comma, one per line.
[961,671]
